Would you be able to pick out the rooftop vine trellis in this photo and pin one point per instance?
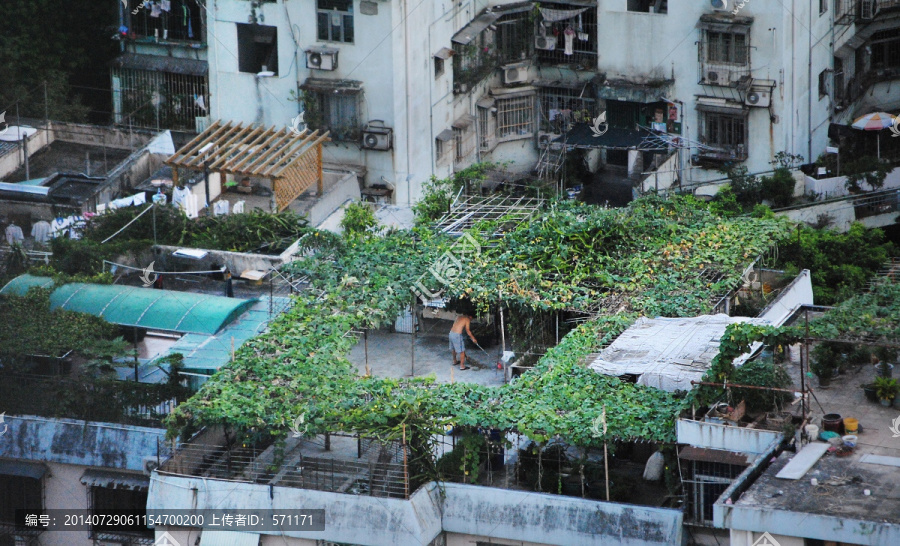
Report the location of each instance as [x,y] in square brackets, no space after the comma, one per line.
[650,254]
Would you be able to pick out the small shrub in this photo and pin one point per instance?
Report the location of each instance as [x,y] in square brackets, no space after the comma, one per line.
[359,218]
[761,373]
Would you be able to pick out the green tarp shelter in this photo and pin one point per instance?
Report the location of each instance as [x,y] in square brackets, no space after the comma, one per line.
[167,310]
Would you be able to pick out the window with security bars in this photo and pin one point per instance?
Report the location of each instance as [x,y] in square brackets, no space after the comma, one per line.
[334,20]
[704,482]
[106,500]
[726,47]
[487,130]
[514,37]
[443,150]
[464,147]
[338,113]
[515,118]
[885,45]
[183,21]
[566,34]
[559,108]
[725,131]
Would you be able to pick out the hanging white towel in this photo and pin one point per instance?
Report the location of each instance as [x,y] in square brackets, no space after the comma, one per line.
[179,197]
[200,102]
[570,41]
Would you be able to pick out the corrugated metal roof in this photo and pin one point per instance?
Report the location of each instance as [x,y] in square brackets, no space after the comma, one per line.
[115,480]
[157,63]
[473,29]
[140,307]
[214,537]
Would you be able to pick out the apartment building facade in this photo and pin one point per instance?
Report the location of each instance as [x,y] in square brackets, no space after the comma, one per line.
[410,90]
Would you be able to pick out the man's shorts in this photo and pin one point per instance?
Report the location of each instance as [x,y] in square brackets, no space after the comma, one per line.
[457,342]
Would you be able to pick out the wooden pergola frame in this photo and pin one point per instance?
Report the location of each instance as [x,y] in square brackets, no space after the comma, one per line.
[291,160]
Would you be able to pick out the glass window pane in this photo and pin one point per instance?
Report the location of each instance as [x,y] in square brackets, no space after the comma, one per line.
[348,28]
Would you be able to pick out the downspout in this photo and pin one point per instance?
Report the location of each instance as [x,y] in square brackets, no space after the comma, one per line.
[408,117]
[809,87]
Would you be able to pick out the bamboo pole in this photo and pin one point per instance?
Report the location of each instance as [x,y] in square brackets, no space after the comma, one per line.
[605,455]
[405,467]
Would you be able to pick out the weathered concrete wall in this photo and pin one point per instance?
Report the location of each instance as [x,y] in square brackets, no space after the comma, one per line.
[347,187]
[460,510]
[98,135]
[724,437]
[545,518]
[63,490]
[842,213]
[76,442]
[835,186]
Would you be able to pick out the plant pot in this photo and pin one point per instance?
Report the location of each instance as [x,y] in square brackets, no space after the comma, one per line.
[824,381]
[886,402]
[884,370]
[897,402]
[869,391]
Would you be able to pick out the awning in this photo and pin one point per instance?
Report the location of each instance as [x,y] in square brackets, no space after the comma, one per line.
[725,23]
[167,310]
[518,7]
[485,102]
[445,53]
[341,87]
[445,135]
[23,469]
[464,122]
[214,537]
[158,63]
[731,109]
[115,480]
[513,92]
[473,29]
[581,136]
[634,92]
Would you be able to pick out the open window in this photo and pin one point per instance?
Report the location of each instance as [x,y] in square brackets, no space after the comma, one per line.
[182,22]
[257,48]
[464,142]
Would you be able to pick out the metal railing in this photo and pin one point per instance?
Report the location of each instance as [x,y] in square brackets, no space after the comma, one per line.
[378,471]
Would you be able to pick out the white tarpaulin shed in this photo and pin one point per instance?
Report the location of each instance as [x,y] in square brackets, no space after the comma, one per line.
[668,353]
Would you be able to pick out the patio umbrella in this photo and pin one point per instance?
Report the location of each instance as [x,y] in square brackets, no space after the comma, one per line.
[876,121]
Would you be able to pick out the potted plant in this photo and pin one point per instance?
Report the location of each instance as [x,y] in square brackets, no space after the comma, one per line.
[824,363]
[869,391]
[883,358]
[886,389]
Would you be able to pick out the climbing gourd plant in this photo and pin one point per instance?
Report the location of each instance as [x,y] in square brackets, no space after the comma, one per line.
[649,255]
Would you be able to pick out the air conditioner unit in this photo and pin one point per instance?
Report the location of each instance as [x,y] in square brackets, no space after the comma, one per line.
[321,59]
[868,9]
[149,464]
[514,74]
[546,43]
[546,139]
[377,137]
[719,5]
[712,76]
[759,97]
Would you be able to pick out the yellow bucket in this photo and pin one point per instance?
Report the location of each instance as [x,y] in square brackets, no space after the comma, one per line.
[851,425]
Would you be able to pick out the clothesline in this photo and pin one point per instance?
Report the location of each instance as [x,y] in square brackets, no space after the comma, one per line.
[166,272]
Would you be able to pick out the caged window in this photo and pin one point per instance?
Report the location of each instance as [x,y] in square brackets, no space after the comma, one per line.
[515,118]
[727,47]
[335,20]
[338,113]
[725,131]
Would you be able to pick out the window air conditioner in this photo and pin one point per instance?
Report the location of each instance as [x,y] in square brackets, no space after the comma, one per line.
[546,43]
[321,59]
[759,97]
[719,5]
[377,137]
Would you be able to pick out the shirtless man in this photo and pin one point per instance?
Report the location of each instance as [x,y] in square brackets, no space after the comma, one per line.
[458,342]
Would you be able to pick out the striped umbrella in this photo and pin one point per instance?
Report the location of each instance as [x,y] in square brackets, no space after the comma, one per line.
[876,121]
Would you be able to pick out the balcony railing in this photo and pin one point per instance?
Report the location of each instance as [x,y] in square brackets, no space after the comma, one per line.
[368,468]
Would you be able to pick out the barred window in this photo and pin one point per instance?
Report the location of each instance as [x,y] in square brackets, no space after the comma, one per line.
[727,47]
[487,129]
[464,144]
[724,129]
[335,112]
[515,118]
[335,20]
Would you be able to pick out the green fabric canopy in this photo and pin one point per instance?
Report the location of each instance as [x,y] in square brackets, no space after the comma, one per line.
[141,307]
